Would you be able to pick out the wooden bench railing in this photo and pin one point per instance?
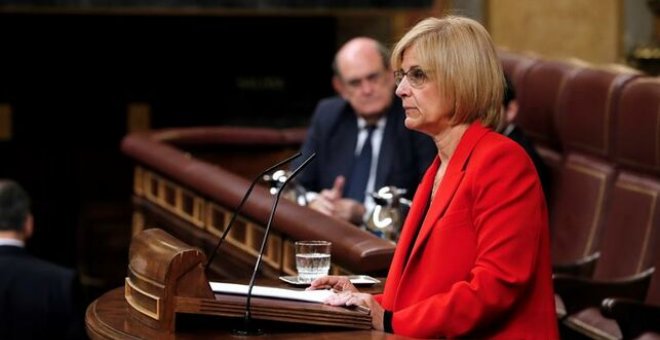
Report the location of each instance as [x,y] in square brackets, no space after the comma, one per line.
[182,184]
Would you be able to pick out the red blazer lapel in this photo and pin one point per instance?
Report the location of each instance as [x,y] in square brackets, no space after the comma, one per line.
[447,189]
[409,230]
[436,210]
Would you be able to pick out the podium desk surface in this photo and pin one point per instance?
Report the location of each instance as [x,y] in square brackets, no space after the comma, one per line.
[108,318]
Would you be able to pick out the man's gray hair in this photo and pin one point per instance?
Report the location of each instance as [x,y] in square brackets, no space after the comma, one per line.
[14,206]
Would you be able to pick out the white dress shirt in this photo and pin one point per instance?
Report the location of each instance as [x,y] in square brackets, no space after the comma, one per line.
[11,242]
[376,140]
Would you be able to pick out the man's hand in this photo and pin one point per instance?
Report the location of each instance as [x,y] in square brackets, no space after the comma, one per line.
[331,203]
[327,199]
[350,210]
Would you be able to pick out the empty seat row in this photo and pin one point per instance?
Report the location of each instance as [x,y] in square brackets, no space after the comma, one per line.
[598,129]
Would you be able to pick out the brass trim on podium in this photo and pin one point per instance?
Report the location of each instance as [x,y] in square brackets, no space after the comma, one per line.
[138,299]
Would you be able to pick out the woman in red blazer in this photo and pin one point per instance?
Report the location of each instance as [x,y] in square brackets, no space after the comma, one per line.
[473,257]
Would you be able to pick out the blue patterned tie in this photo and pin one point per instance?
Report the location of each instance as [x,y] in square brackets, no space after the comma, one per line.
[357,183]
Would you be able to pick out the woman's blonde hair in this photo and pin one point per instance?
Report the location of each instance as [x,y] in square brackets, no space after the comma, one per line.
[459,55]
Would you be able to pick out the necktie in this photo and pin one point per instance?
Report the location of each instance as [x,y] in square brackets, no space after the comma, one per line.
[357,183]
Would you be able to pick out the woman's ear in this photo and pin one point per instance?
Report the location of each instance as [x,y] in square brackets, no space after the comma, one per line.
[511,111]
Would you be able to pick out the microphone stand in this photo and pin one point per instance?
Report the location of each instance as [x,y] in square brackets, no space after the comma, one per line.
[240,205]
[247,319]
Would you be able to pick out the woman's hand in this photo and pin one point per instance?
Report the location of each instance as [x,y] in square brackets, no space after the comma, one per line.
[338,283]
[348,295]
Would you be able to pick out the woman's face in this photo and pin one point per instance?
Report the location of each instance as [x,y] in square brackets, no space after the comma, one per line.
[426,111]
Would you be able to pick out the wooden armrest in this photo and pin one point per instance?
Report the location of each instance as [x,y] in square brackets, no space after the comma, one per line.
[230,135]
[634,317]
[583,267]
[579,293]
[353,249]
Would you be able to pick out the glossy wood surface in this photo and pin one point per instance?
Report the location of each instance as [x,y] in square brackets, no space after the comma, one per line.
[108,318]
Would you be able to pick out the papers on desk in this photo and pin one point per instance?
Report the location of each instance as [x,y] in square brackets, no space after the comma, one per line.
[272,292]
[291,305]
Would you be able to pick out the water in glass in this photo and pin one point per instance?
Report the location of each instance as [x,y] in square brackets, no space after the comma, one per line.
[312,259]
[312,265]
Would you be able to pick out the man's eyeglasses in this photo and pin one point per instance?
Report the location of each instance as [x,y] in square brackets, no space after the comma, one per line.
[371,78]
[416,77]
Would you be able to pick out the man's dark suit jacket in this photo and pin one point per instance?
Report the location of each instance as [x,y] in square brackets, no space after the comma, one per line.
[38,300]
[519,136]
[404,154]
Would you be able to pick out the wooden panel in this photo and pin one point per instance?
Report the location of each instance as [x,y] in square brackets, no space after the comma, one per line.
[245,235]
[586,29]
[195,198]
[5,122]
[138,117]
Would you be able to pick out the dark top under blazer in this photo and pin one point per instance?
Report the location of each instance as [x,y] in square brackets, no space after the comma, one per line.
[519,136]
[404,154]
[38,300]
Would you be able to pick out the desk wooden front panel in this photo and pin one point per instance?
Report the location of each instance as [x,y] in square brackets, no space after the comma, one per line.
[108,318]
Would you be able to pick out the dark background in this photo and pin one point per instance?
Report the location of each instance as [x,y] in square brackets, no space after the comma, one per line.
[69,78]
[279,4]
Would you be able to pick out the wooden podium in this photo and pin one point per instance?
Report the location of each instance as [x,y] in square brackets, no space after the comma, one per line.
[166,277]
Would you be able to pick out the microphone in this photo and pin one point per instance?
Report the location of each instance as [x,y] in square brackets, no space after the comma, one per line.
[240,205]
[248,317]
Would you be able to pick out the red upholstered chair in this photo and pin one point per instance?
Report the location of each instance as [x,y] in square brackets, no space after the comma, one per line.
[538,84]
[635,319]
[516,65]
[584,121]
[629,242]
[638,139]
[631,237]
[578,212]
[585,115]
[538,93]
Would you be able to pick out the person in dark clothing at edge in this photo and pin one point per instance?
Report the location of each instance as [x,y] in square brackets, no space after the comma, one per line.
[38,299]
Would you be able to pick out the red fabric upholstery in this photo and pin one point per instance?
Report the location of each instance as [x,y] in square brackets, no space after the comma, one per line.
[629,246]
[598,130]
[637,130]
[628,134]
[579,207]
[632,231]
[537,94]
[585,118]
[516,66]
[590,322]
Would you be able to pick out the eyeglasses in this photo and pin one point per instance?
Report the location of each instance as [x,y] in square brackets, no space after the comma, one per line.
[416,76]
[372,78]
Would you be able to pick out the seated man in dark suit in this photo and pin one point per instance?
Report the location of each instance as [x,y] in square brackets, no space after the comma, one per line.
[511,130]
[38,300]
[366,116]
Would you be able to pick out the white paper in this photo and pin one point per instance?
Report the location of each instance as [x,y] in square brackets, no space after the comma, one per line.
[272,292]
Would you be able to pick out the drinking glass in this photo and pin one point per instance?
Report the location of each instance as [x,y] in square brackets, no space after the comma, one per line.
[312,259]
